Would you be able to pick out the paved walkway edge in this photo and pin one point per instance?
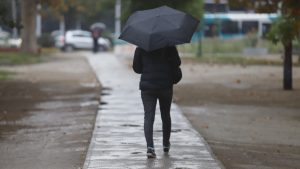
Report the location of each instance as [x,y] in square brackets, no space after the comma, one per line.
[91,150]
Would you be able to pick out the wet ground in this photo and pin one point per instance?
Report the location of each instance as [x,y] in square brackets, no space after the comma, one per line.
[243,113]
[47,114]
[118,140]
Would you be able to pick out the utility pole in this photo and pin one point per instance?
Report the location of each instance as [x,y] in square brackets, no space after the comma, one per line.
[117,18]
[39,20]
[200,36]
[62,25]
[14,17]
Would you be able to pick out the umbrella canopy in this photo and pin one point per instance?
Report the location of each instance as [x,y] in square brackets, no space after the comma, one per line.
[159,27]
[98,25]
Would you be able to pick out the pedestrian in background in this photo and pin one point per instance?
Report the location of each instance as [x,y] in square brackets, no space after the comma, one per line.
[96,33]
[96,30]
[160,70]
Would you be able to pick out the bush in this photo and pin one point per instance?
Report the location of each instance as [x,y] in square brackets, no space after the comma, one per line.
[251,39]
[46,40]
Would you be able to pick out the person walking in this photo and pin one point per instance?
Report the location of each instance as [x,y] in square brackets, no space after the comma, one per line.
[156,32]
[96,30]
[96,33]
[160,70]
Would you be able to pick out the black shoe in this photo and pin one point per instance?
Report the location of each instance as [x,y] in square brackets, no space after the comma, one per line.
[151,153]
[167,148]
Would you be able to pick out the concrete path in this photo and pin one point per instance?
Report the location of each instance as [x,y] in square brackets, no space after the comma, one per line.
[118,139]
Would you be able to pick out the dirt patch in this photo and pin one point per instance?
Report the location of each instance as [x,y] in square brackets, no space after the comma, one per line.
[47,113]
[243,113]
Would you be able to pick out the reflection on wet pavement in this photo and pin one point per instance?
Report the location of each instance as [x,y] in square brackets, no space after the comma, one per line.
[118,139]
[47,124]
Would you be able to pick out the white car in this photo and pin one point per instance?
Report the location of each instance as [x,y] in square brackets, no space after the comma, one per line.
[7,42]
[79,39]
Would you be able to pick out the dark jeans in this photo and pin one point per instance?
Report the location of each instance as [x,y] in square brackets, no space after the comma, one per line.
[95,45]
[149,99]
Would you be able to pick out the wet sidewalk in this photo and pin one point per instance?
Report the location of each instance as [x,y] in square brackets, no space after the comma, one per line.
[118,140]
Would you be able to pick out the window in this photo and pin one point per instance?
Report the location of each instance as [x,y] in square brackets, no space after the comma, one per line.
[229,27]
[265,29]
[211,30]
[249,26]
[83,34]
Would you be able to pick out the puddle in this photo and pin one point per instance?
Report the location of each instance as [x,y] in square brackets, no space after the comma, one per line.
[173,130]
[106,89]
[103,103]
[105,94]
[130,125]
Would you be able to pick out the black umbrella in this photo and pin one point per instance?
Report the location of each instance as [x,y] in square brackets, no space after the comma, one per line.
[98,25]
[159,27]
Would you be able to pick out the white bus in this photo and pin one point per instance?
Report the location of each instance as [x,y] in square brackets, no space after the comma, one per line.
[231,25]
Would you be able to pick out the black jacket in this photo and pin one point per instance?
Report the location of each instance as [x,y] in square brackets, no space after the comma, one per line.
[157,67]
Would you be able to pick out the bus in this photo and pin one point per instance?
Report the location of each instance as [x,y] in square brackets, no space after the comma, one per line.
[236,25]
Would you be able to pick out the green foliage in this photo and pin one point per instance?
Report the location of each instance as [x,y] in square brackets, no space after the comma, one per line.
[87,11]
[92,7]
[5,18]
[3,10]
[238,3]
[86,7]
[193,7]
[286,28]
[283,30]
[46,40]
[251,39]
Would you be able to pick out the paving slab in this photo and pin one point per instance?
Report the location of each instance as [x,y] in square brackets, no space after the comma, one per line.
[118,140]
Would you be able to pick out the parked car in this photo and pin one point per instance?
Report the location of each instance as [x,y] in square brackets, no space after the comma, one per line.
[4,36]
[79,39]
[14,42]
[7,42]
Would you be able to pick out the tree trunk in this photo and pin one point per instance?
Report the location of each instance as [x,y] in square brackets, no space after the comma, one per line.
[288,71]
[298,51]
[28,33]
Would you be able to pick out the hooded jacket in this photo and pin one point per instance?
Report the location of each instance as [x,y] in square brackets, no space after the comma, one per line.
[156,67]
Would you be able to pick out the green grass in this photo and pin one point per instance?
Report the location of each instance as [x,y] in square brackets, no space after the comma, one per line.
[235,60]
[232,46]
[222,46]
[17,58]
[231,51]
[4,75]
[49,51]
